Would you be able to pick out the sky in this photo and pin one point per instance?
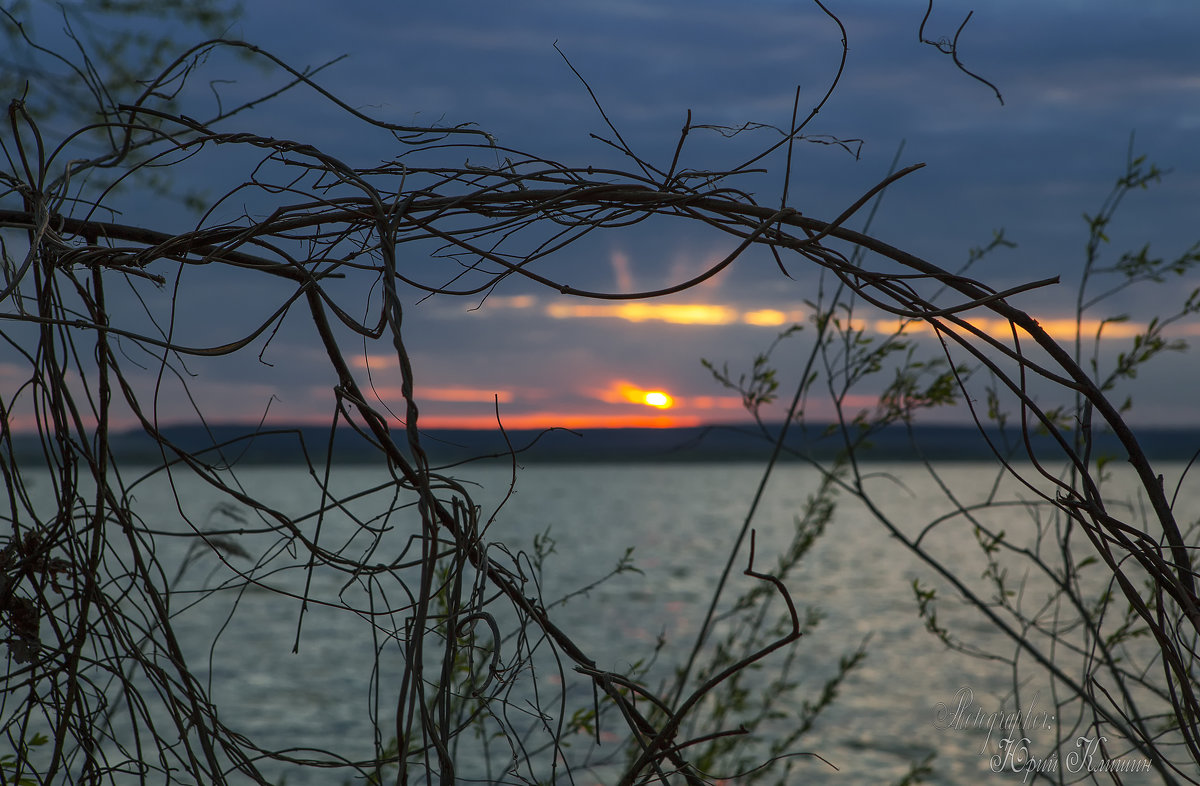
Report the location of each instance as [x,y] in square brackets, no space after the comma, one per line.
[1079,80]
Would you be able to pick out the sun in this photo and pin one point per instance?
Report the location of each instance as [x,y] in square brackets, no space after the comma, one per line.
[622,391]
[657,399]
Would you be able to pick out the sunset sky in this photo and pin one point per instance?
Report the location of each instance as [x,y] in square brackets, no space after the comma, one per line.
[1077,78]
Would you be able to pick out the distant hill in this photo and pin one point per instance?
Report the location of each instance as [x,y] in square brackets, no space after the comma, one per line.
[228,443]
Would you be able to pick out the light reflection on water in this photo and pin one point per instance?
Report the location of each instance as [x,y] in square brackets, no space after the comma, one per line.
[681,520]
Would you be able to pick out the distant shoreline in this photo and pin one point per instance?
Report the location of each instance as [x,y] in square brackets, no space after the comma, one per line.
[246,444]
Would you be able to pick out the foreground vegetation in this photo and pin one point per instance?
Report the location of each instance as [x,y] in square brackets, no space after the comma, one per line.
[1093,599]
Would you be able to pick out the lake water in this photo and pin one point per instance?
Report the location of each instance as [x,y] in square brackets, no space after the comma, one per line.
[681,521]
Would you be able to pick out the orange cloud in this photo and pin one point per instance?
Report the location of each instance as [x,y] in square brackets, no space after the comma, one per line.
[1064,329]
[374,362]
[622,271]
[642,311]
[770,317]
[484,395]
[677,313]
[451,395]
[1059,329]
[624,392]
[716,314]
[510,301]
[712,402]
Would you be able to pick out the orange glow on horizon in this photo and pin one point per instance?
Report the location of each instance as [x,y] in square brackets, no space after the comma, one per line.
[576,420]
